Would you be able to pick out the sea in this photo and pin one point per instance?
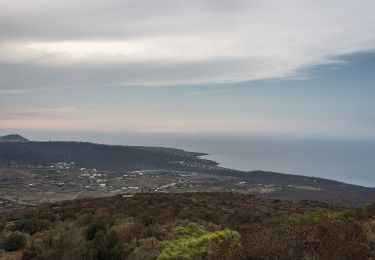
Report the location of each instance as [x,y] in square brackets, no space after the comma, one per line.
[347,160]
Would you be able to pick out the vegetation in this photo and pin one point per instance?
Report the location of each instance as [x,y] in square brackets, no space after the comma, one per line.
[303,220]
[192,241]
[13,242]
[104,157]
[188,226]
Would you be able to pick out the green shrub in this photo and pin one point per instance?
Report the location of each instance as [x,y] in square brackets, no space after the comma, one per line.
[190,230]
[302,220]
[68,235]
[13,242]
[193,241]
[151,232]
[361,213]
[106,245]
[370,208]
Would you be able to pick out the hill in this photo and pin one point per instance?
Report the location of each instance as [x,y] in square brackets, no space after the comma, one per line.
[13,138]
[98,156]
[188,226]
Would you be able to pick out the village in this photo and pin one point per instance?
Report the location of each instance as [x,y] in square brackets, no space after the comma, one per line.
[22,186]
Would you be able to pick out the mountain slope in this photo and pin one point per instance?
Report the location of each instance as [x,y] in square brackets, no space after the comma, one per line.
[98,156]
[13,138]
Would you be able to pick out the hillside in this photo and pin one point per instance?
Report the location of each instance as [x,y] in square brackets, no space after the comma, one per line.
[188,226]
[98,156]
[34,172]
[295,187]
[13,138]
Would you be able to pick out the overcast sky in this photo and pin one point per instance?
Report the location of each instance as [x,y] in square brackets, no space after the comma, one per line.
[267,66]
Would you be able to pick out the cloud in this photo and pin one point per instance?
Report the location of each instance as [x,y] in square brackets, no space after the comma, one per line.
[58,44]
[159,123]
[44,113]
[56,109]
[208,92]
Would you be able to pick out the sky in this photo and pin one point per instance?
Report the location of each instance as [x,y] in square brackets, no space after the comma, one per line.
[296,67]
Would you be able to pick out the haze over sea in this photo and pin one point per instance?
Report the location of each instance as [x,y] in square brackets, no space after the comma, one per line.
[348,160]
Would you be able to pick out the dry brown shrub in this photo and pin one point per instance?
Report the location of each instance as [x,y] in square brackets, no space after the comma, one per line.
[10,255]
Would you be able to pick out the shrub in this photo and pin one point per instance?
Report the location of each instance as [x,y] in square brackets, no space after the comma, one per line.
[95,226]
[302,220]
[13,242]
[144,252]
[107,245]
[194,241]
[67,236]
[190,230]
[147,219]
[151,232]
[31,226]
[191,214]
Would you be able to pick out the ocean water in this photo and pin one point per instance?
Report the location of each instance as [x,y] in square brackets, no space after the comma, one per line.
[350,161]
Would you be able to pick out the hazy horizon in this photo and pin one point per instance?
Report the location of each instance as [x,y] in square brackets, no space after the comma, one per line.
[98,71]
[347,160]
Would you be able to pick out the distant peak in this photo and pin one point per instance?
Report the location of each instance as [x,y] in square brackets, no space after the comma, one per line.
[13,138]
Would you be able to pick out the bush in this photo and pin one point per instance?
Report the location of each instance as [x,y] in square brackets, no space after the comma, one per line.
[67,236]
[147,219]
[302,220]
[190,230]
[96,226]
[194,241]
[13,242]
[31,226]
[151,232]
[106,245]
[144,252]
